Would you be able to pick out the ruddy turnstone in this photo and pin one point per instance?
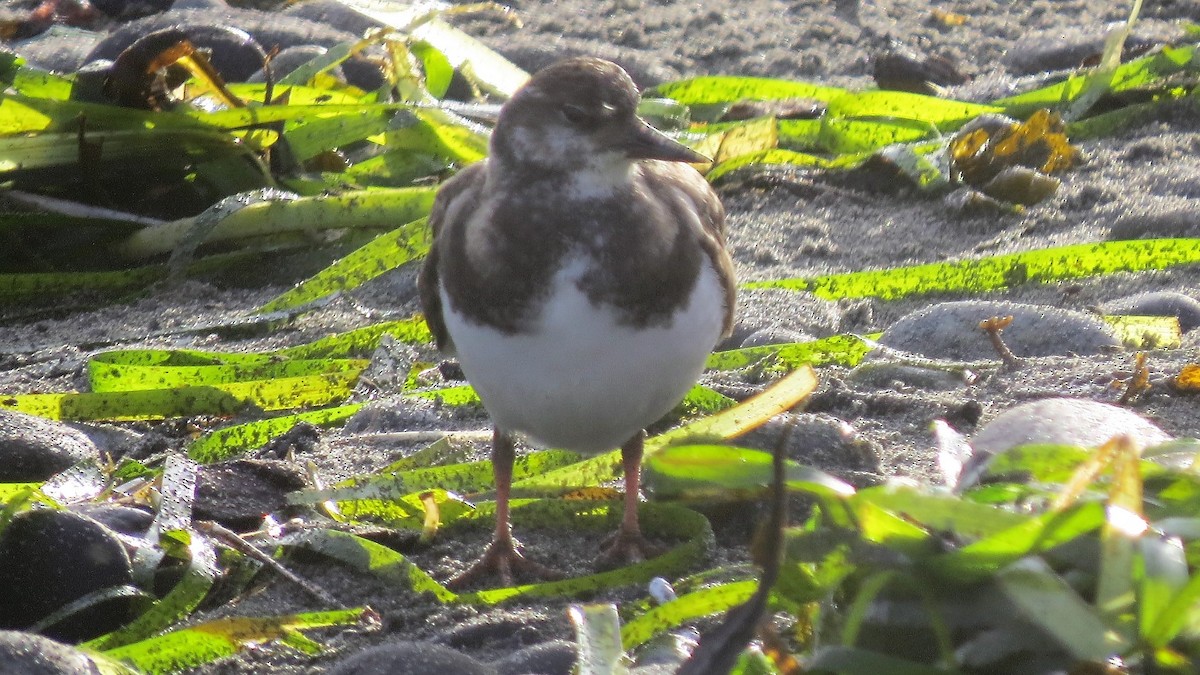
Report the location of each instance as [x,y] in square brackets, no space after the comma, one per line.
[580,275]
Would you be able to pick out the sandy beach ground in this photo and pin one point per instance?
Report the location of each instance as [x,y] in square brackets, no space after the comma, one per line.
[1141,184]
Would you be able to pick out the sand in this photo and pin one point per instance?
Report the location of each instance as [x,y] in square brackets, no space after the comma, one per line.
[1143,183]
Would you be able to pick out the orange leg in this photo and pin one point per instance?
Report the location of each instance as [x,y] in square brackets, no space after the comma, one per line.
[503,555]
[627,545]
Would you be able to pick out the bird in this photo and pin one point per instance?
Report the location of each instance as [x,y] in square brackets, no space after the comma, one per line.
[580,275]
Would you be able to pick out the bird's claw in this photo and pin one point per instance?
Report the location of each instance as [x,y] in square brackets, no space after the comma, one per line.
[502,557]
[625,547]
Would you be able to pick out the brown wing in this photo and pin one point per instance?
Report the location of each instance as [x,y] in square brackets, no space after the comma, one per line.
[454,199]
[712,239]
[713,217]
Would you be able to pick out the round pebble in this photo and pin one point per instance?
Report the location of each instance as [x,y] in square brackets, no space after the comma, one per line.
[411,658]
[1159,303]
[29,654]
[1164,221]
[49,558]
[34,448]
[556,657]
[950,330]
[238,493]
[1059,421]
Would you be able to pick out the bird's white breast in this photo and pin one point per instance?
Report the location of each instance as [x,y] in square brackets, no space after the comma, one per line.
[580,379]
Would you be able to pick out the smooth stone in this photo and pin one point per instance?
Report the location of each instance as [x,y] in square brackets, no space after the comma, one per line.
[208,5]
[128,520]
[410,658]
[1058,421]
[269,29]
[34,448]
[124,10]
[112,440]
[816,439]
[1159,303]
[776,310]
[774,336]
[59,48]
[1067,47]
[1162,222]
[950,330]
[30,654]
[901,377]
[232,51]
[292,58]
[50,558]
[1064,421]
[331,13]
[556,657]
[238,493]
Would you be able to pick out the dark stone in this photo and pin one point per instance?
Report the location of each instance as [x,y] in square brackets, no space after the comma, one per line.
[240,492]
[288,60]
[410,658]
[231,51]
[332,14]
[556,657]
[269,30]
[50,558]
[901,70]
[1166,223]
[34,448]
[29,654]
[1159,303]
[124,519]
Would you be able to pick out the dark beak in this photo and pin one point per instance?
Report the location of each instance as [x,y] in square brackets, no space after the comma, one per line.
[646,142]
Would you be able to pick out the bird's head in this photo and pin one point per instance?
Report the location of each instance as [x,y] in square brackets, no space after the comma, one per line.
[579,114]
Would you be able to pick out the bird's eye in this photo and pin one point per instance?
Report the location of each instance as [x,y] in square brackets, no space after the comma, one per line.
[578,115]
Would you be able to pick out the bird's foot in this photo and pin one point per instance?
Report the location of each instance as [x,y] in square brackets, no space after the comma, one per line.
[502,557]
[625,547]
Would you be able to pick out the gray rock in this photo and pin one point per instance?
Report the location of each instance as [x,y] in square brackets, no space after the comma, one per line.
[1161,220]
[29,654]
[111,439]
[1061,421]
[60,48]
[1159,303]
[776,310]
[556,657]
[819,440]
[34,448]
[950,330]
[292,58]
[410,658]
[1067,47]
[1067,421]
[902,377]
[774,336]
[331,13]
[210,5]
[237,493]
